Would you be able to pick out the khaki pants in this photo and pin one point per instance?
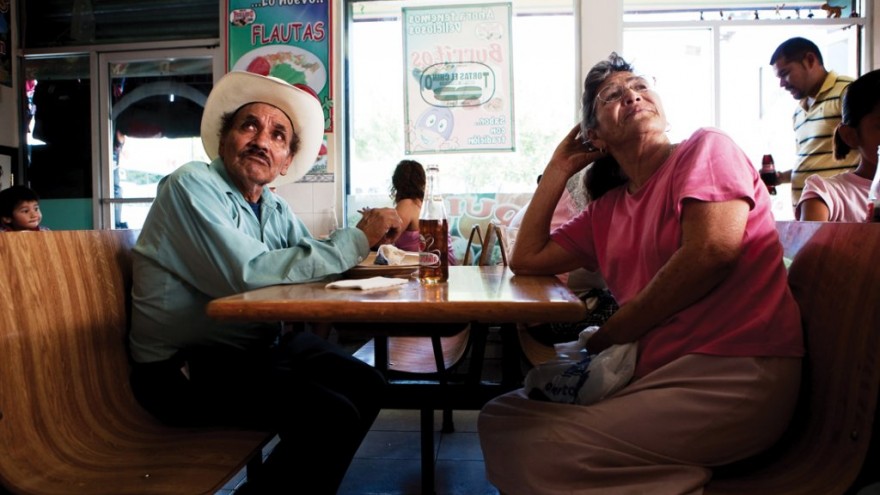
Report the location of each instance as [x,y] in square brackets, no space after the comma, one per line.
[656,436]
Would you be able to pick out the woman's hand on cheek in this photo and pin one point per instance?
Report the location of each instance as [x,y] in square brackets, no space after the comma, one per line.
[574,152]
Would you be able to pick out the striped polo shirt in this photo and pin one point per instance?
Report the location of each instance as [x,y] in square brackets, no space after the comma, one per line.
[814,131]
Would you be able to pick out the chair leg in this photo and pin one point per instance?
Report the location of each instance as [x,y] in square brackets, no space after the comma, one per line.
[448,424]
[427,431]
[511,357]
[479,333]
[380,353]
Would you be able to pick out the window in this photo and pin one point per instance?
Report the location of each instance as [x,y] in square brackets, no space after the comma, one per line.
[478,186]
[716,72]
[545,96]
[683,71]
[154,101]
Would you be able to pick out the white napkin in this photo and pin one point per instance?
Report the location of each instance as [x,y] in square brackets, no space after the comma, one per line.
[366,283]
[397,256]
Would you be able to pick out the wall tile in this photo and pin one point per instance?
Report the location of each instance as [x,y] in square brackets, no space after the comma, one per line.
[298,195]
[323,196]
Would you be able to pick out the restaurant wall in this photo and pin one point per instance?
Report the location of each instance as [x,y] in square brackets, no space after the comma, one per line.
[9,111]
[601,32]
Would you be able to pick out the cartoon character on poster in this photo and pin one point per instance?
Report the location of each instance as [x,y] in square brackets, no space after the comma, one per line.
[433,129]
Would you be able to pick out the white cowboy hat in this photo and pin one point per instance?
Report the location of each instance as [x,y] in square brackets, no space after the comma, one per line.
[238,88]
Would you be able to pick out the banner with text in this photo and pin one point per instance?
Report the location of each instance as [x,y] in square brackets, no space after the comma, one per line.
[458,78]
[287,39]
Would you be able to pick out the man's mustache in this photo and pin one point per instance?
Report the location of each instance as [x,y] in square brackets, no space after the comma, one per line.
[254,151]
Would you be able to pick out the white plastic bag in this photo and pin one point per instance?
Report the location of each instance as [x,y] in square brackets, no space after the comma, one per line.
[575,377]
[389,254]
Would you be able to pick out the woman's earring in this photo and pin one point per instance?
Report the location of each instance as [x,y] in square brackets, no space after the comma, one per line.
[602,150]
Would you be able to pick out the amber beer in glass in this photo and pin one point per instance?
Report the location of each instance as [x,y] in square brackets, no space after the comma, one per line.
[433,233]
[434,257]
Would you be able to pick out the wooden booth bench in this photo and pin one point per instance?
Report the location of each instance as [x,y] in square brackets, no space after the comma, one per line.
[828,448]
[69,423]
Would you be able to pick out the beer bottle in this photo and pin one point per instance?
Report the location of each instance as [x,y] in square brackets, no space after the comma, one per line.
[874,194]
[768,173]
[433,233]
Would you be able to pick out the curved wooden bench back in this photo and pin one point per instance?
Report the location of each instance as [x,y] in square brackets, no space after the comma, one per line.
[835,277]
[68,420]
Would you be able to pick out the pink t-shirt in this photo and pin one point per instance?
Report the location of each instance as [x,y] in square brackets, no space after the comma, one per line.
[629,237]
[845,195]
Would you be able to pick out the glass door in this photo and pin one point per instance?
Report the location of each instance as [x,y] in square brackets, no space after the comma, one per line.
[151,108]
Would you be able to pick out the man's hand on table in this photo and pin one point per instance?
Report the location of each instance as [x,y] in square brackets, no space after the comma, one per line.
[380,225]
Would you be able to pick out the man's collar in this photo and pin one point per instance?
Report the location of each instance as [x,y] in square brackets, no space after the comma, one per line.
[827,84]
[268,199]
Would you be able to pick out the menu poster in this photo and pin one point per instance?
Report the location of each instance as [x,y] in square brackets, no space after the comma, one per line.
[5,44]
[287,39]
[458,82]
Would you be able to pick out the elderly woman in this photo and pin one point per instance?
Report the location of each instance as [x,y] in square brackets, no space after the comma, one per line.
[685,239]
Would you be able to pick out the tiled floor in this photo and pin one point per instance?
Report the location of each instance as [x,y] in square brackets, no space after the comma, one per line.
[389,462]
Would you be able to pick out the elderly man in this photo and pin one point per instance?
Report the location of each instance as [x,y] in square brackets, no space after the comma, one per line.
[216,229]
[801,71]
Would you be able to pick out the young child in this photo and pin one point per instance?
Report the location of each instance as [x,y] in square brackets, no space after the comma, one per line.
[844,197]
[20,210]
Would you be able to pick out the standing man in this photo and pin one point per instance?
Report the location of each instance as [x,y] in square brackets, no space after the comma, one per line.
[216,229]
[801,71]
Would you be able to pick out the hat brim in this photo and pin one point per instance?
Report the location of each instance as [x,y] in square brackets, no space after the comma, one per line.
[239,88]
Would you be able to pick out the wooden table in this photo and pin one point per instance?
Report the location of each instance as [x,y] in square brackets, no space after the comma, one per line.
[483,296]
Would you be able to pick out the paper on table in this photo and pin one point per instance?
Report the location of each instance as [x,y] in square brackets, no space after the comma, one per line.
[366,283]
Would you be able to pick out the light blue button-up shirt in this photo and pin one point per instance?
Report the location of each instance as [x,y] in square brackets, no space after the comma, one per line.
[201,240]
